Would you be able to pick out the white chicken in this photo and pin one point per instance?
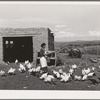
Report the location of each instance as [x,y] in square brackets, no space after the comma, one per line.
[65,78]
[29,66]
[83,72]
[86,71]
[64,73]
[74,66]
[49,79]
[11,71]
[84,77]
[78,78]
[38,69]
[16,61]
[32,70]
[21,68]
[2,73]
[71,71]
[56,74]
[60,71]
[26,62]
[91,74]
[51,76]
[43,76]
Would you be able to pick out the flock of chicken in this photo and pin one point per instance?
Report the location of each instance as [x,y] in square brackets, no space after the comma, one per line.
[53,75]
[72,74]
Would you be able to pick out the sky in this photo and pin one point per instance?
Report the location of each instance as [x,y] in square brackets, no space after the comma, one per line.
[68,22]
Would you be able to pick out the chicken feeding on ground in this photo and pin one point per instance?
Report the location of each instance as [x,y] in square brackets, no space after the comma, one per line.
[85,71]
[76,73]
[43,76]
[32,71]
[21,68]
[2,73]
[26,62]
[90,74]
[28,66]
[60,71]
[16,61]
[35,71]
[65,78]
[78,78]
[56,74]
[84,77]
[50,79]
[11,71]
[39,72]
[64,74]
[38,69]
[74,66]
[71,71]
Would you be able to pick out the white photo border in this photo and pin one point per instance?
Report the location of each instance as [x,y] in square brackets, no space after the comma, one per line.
[51,94]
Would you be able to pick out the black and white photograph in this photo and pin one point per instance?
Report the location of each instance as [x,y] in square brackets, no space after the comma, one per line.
[50,46]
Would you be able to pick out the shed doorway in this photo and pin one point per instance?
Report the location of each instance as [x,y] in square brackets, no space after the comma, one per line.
[20,48]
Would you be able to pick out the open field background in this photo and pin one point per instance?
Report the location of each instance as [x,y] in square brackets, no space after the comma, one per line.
[89,49]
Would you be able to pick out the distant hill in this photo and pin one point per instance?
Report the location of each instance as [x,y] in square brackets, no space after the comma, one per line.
[79,44]
[82,43]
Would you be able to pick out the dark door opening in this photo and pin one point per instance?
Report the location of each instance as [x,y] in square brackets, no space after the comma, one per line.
[20,48]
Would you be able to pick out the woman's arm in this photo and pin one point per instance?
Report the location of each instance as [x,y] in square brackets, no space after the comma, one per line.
[47,53]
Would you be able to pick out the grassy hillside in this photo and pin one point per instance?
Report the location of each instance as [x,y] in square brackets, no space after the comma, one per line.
[90,47]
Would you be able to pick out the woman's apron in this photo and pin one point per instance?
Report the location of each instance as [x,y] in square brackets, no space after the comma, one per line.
[43,62]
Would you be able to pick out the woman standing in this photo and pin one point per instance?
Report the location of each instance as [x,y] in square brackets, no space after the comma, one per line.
[43,60]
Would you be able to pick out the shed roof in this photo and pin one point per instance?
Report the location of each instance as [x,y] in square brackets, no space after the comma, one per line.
[21,31]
